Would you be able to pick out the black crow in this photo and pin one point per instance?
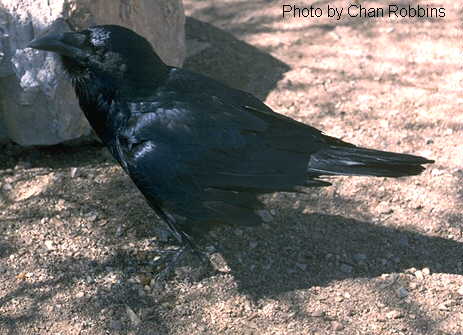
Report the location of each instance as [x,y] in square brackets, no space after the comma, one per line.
[200,152]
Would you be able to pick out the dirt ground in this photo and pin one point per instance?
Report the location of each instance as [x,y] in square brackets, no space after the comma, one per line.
[365,256]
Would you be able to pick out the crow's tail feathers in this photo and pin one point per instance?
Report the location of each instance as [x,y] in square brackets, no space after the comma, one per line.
[355,161]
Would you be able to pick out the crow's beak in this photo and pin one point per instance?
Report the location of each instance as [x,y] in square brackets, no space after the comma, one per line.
[49,42]
[66,44]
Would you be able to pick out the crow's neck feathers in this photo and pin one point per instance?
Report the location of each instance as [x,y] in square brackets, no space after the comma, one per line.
[102,83]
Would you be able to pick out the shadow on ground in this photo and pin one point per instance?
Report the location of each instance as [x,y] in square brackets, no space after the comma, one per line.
[322,248]
[296,251]
[225,58]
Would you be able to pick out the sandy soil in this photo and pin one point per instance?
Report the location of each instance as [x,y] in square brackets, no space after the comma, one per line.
[365,256]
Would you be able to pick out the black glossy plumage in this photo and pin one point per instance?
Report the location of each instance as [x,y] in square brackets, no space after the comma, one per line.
[199,151]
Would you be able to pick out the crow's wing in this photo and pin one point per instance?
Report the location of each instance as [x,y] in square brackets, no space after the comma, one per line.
[205,157]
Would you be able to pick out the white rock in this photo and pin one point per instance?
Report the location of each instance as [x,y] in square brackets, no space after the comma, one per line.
[40,104]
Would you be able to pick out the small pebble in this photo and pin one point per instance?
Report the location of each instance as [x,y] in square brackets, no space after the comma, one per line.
[394,314]
[460,290]
[21,276]
[337,326]
[437,172]
[419,275]
[73,172]
[219,263]
[134,319]
[402,292]
[413,285]
[426,271]
[318,314]
[443,307]
[49,245]
[119,231]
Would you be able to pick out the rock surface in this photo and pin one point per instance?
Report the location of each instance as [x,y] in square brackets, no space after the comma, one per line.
[38,103]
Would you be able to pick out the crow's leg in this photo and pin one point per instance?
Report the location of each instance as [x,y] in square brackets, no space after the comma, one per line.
[169,259]
[166,264]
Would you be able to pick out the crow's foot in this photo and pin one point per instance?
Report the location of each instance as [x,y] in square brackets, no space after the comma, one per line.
[168,262]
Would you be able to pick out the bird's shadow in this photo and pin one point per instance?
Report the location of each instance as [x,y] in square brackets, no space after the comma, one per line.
[299,251]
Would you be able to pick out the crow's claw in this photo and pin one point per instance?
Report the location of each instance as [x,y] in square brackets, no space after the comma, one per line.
[166,264]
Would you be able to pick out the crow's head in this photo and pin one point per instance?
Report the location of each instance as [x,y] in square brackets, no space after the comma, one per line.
[109,52]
